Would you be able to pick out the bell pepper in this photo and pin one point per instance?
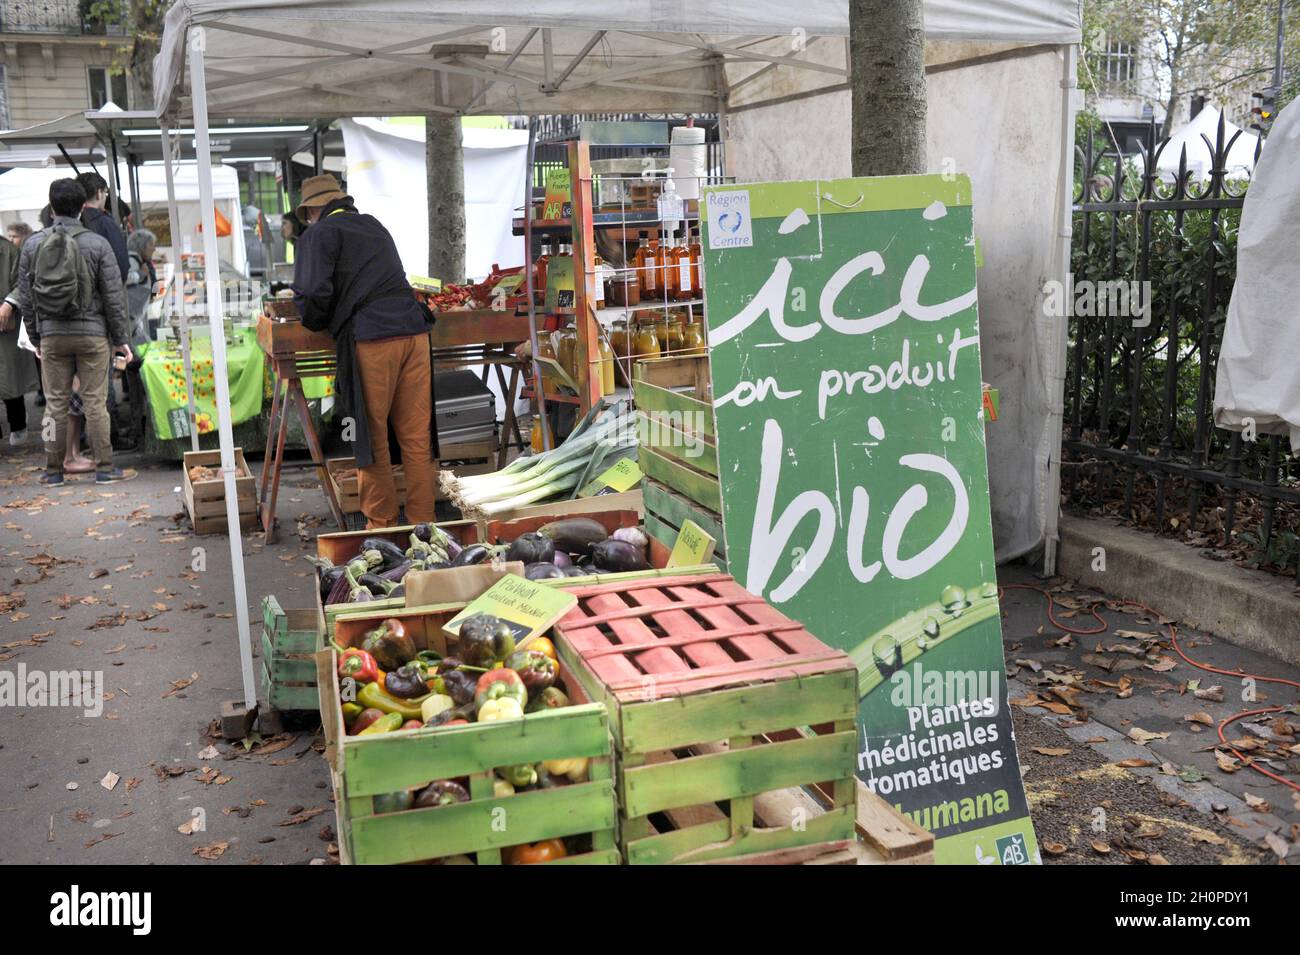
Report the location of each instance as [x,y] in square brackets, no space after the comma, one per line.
[365,718]
[434,704]
[500,684]
[542,645]
[485,639]
[385,724]
[357,664]
[501,787]
[412,725]
[574,769]
[551,698]
[502,708]
[537,670]
[372,694]
[405,682]
[443,792]
[389,644]
[536,852]
[525,774]
[350,713]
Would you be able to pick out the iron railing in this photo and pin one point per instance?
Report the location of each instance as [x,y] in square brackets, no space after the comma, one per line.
[58,17]
[1140,440]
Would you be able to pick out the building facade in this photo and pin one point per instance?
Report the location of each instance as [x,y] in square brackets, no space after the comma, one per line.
[56,58]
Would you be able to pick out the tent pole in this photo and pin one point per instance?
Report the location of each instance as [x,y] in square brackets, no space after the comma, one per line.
[114,182]
[1059,335]
[178,283]
[133,172]
[212,272]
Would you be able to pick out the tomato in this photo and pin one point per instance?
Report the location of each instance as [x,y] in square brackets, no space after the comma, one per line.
[536,852]
[543,645]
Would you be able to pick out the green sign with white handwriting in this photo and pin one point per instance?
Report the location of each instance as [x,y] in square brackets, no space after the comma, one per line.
[844,347]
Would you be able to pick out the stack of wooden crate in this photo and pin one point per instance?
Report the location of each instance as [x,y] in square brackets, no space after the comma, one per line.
[288,667]
[678,450]
[205,499]
[720,705]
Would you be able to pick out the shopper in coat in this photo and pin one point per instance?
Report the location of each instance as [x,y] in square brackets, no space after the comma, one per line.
[94,218]
[79,341]
[17,365]
[348,279]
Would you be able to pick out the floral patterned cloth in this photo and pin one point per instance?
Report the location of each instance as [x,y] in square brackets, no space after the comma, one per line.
[248,373]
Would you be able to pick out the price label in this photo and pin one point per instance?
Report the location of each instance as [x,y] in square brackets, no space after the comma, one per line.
[623,476]
[693,546]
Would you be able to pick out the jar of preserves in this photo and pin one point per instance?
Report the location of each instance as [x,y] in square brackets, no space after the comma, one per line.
[645,343]
[693,341]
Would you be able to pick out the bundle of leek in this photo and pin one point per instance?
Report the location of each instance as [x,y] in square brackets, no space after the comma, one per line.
[604,434]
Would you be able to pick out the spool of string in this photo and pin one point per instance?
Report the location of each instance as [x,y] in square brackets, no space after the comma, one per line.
[689,160]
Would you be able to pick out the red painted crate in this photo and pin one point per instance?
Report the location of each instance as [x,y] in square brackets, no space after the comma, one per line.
[713,696]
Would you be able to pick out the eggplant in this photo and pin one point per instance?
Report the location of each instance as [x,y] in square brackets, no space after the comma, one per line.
[542,570]
[398,591]
[361,595]
[573,571]
[532,548]
[562,560]
[453,546]
[618,556]
[424,532]
[392,554]
[438,565]
[575,535]
[397,572]
[473,554]
[340,591]
[328,578]
[377,586]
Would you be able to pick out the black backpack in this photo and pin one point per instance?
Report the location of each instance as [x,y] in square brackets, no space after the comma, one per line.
[61,284]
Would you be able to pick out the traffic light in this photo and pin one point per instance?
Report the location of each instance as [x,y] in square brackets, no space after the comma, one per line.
[1263,110]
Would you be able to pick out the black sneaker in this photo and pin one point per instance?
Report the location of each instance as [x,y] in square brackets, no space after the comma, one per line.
[111,476]
[52,479]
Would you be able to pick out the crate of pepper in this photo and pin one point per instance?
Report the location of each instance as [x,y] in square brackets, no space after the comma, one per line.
[366,570]
[460,749]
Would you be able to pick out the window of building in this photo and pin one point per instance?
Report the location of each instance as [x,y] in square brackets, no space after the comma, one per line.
[4,99]
[1116,67]
[106,85]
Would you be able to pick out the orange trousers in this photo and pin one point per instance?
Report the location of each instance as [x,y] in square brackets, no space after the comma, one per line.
[396,386]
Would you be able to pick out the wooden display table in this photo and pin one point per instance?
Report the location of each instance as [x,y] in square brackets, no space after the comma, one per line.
[295,353]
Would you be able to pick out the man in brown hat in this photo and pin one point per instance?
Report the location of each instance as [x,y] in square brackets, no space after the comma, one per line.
[348,279]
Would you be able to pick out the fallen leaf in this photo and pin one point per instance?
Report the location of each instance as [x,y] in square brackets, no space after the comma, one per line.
[1199,717]
[110,780]
[1101,848]
[1052,750]
[1257,804]
[213,850]
[1135,763]
[1055,848]
[1142,737]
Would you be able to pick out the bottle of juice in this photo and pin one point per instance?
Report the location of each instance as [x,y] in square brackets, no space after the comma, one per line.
[645,266]
[539,278]
[606,366]
[694,251]
[663,263]
[680,264]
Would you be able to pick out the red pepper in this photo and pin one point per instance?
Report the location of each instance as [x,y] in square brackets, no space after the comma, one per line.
[498,684]
[358,665]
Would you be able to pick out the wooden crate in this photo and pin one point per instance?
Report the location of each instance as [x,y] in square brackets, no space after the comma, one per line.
[341,547]
[288,664]
[283,339]
[665,510]
[577,507]
[345,486]
[496,530]
[678,447]
[205,501]
[710,693]
[364,767]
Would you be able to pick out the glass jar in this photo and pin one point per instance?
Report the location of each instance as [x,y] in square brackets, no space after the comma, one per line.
[566,342]
[606,366]
[645,343]
[693,341]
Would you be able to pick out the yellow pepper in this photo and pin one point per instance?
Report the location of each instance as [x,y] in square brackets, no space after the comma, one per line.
[575,769]
[502,708]
[434,704]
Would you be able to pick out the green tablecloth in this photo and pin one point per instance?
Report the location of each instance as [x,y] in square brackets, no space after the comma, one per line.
[163,372]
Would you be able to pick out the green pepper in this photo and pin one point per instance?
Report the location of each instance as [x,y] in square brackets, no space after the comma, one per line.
[550,698]
[519,776]
[500,684]
[350,712]
[372,694]
[385,724]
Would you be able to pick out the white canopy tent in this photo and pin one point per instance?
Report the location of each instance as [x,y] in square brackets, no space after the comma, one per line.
[1199,138]
[1001,77]
[24,192]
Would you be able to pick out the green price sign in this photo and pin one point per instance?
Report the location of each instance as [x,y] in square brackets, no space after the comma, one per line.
[844,347]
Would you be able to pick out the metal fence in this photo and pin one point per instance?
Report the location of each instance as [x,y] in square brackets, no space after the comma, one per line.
[54,17]
[1140,441]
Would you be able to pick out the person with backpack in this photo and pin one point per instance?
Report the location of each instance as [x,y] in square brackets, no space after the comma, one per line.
[70,294]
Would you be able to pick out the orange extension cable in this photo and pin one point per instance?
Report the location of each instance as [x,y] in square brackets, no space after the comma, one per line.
[1173,633]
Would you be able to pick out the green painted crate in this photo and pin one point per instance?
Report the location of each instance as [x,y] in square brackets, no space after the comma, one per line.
[288,670]
[678,445]
[409,759]
[665,511]
[716,700]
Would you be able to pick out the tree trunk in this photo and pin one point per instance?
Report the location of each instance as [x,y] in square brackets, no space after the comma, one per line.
[445,170]
[887,79]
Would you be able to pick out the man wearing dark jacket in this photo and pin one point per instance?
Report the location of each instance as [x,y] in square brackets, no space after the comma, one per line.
[348,279]
[94,218]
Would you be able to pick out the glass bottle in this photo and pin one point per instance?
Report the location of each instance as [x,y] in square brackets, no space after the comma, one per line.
[539,279]
[694,250]
[645,343]
[663,264]
[606,365]
[645,266]
[681,267]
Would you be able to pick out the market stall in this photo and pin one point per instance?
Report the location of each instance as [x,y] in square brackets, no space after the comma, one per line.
[713,645]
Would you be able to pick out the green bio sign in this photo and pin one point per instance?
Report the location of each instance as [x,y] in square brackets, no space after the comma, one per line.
[844,345]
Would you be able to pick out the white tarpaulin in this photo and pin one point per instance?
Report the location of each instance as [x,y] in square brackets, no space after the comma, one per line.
[385,174]
[25,192]
[1200,155]
[1000,78]
[1259,363]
